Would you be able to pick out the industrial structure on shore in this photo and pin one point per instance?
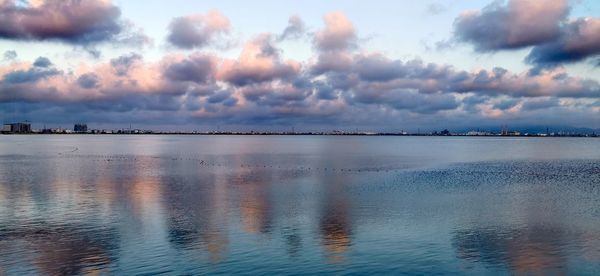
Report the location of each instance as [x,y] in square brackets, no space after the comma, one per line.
[16,128]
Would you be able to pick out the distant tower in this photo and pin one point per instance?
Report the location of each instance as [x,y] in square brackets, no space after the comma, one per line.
[80,128]
[504,130]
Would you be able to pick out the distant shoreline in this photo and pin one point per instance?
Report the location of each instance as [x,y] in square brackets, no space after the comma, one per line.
[305,134]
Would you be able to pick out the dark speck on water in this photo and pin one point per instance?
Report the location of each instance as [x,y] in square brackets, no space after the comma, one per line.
[268,205]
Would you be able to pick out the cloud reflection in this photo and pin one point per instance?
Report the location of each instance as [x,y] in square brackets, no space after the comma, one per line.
[335,224]
[195,213]
[255,205]
[538,249]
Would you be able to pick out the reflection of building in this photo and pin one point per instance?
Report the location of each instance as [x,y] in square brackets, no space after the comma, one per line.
[17,128]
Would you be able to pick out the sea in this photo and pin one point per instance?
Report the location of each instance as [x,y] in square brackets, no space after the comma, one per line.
[298,205]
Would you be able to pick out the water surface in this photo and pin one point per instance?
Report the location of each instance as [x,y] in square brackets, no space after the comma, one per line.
[298,205]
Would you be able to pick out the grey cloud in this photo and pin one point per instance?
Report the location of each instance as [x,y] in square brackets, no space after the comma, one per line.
[324,91]
[229,102]
[343,81]
[471,103]
[10,55]
[197,68]
[129,103]
[378,68]
[475,99]
[42,62]
[435,9]
[426,104]
[122,64]
[432,78]
[518,24]
[407,100]
[276,96]
[343,87]
[71,21]
[332,61]
[506,104]
[88,81]
[197,31]
[31,75]
[542,25]
[542,103]
[294,30]
[578,41]
[254,93]
[260,62]
[219,97]
[93,52]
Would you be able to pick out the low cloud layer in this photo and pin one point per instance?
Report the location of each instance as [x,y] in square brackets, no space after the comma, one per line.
[342,84]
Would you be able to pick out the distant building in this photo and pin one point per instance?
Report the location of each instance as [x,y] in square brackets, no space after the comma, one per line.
[478,133]
[17,128]
[80,128]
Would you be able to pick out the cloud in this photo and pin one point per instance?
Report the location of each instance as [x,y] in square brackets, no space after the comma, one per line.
[29,76]
[122,64]
[10,55]
[294,30]
[40,69]
[334,44]
[506,104]
[197,31]
[541,103]
[341,85]
[219,97]
[278,95]
[406,99]
[70,21]
[42,62]
[196,68]
[324,91]
[578,41]
[332,62]
[435,9]
[518,24]
[260,61]
[88,81]
[543,25]
[338,34]
[378,68]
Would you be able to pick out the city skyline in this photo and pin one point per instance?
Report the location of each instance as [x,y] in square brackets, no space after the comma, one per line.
[266,65]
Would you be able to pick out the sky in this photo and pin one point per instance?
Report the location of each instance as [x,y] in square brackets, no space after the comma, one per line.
[310,65]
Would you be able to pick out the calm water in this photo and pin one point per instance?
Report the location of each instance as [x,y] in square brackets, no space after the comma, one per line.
[298,205]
